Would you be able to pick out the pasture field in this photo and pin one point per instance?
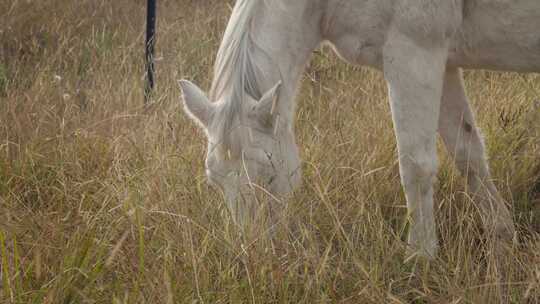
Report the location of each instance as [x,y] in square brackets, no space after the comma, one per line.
[103,200]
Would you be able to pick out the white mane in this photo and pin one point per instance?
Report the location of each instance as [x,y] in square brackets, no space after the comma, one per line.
[234,70]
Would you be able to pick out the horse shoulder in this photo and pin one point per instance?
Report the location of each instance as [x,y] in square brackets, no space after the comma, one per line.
[427,20]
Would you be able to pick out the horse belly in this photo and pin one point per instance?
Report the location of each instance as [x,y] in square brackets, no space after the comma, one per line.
[499,35]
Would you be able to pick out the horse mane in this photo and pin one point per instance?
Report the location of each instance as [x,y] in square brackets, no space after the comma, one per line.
[234,70]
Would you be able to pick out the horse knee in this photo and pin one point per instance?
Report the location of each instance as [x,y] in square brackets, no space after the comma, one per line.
[471,161]
[418,173]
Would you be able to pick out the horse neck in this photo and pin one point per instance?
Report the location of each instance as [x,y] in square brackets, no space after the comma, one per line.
[287,35]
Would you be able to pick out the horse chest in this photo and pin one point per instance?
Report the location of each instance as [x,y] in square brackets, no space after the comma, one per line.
[359,50]
[357,31]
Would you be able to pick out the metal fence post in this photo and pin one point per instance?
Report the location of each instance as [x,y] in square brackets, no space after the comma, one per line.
[149,49]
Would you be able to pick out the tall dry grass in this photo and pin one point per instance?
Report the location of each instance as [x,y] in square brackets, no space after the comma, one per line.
[103,200]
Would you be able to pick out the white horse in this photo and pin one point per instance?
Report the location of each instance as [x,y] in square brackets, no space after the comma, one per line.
[420,45]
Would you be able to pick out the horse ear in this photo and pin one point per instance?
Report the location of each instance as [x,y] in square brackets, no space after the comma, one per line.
[265,110]
[196,104]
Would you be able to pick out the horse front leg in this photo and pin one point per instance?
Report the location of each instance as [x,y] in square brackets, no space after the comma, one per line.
[464,143]
[414,71]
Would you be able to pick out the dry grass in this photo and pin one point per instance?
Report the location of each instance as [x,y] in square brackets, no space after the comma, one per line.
[102,200]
